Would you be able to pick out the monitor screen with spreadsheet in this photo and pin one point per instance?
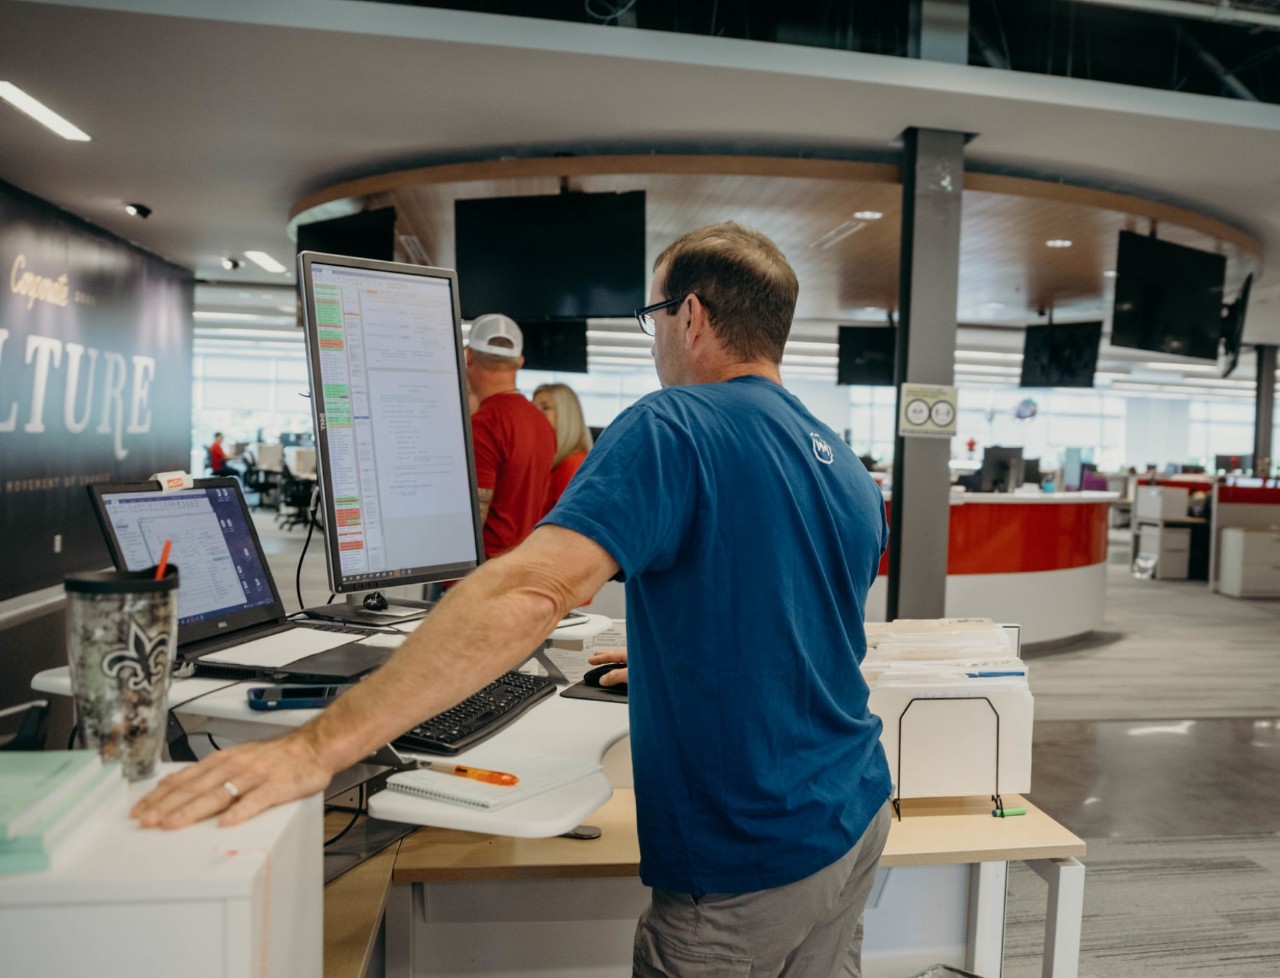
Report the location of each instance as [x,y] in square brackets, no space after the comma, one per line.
[393,429]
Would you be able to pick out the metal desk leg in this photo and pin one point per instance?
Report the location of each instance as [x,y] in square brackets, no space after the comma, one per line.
[984,954]
[1064,915]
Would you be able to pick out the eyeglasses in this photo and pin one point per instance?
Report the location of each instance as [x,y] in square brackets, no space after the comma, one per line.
[645,316]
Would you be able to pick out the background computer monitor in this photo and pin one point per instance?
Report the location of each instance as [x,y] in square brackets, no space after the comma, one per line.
[1168,297]
[1001,469]
[393,431]
[1031,473]
[1233,463]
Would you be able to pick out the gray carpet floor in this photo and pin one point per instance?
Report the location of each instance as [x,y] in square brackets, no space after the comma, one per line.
[1168,650]
[1203,906]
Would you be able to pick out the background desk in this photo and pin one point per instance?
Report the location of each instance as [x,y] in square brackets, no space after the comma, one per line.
[1039,559]
[466,903]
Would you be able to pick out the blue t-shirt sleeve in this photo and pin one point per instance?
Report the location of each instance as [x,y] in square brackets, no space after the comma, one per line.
[635,494]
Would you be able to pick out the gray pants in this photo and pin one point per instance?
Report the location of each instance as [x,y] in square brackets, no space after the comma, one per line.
[808,929]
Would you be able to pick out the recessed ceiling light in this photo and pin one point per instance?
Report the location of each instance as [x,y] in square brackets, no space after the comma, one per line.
[138,210]
[230,264]
[44,115]
[1057,243]
[264,261]
[1109,273]
[868,215]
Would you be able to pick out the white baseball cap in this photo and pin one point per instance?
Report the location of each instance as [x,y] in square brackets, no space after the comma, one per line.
[492,326]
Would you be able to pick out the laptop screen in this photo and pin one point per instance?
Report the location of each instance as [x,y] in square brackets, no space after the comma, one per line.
[223,581]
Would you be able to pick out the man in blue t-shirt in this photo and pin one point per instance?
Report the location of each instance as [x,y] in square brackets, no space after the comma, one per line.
[748,535]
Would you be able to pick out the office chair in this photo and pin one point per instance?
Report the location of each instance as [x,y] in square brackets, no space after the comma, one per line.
[256,480]
[294,493]
[31,730]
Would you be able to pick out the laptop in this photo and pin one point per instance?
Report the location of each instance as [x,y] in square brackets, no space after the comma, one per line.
[231,621]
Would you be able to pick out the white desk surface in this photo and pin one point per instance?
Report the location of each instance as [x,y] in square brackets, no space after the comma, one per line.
[566,727]
[114,860]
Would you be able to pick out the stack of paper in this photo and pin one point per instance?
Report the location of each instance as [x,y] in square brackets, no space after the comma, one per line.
[45,797]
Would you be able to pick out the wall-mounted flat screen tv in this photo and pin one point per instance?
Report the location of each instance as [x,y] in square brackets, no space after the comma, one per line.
[368,234]
[557,345]
[866,356]
[556,256]
[1060,354]
[1168,297]
[1233,328]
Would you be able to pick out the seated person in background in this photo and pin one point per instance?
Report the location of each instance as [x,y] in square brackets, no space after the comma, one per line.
[573,438]
[218,457]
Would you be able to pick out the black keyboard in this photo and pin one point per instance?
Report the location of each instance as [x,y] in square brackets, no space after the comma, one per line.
[479,716]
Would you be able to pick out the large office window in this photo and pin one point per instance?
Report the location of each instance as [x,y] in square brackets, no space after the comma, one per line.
[245,382]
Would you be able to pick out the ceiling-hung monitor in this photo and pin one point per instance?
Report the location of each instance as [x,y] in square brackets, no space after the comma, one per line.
[1233,328]
[366,234]
[559,345]
[1168,297]
[393,430]
[554,256]
[1060,354]
[865,355]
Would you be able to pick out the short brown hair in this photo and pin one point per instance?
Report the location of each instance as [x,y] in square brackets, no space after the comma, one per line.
[743,279]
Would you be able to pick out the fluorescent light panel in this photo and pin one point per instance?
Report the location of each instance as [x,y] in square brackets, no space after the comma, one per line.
[44,115]
[264,261]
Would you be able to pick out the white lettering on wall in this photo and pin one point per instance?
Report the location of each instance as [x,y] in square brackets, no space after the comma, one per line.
[76,424]
[11,422]
[42,349]
[144,370]
[44,356]
[113,400]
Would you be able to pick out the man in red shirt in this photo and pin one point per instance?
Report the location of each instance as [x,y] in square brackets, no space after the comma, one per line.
[218,456]
[514,442]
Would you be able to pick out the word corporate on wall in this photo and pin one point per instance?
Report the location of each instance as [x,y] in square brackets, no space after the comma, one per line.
[95,382]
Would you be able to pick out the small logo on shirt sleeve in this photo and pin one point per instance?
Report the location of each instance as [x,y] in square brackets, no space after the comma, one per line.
[821,450]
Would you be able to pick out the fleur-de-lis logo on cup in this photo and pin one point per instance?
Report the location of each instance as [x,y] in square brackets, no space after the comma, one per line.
[141,662]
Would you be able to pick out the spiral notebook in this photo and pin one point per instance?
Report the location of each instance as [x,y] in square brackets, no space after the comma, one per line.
[537,773]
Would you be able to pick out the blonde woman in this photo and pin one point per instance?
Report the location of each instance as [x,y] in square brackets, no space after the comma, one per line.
[573,438]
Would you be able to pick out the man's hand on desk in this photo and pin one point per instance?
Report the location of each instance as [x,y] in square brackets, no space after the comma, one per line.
[615,676]
[239,782]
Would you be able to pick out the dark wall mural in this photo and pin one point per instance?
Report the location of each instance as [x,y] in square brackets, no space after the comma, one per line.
[95,382]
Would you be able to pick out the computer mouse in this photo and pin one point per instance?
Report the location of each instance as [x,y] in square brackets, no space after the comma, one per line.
[593,676]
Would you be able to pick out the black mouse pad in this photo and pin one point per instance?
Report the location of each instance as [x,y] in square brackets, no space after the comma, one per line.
[581,691]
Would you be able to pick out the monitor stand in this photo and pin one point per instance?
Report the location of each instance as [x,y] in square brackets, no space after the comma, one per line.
[359,610]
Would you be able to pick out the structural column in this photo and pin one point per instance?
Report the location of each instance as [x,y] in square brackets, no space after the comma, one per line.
[932,183]
[1264,411]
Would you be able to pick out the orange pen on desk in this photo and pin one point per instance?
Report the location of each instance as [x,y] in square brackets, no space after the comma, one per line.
[476,773]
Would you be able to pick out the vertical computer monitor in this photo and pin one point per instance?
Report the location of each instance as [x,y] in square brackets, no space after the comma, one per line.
[393,430]
[1001,469]
[1031,473]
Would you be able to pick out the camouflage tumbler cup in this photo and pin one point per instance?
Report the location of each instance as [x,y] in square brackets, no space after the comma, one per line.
[122,629]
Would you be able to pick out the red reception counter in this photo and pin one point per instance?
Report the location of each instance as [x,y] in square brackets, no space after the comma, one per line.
[1036,560]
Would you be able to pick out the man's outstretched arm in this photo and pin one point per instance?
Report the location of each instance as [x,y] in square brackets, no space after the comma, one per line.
[487,624]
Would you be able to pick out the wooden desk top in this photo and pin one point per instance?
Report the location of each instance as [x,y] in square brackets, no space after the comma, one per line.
[353,906]
[931,832]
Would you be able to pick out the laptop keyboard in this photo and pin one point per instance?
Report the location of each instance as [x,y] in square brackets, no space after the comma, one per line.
[479,716]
